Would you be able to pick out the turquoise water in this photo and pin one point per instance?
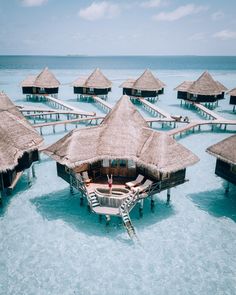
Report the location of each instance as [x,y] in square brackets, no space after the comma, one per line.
[49,244]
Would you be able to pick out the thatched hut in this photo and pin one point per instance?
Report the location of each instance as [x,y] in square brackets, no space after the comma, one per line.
[123,150]
[225,153]
[95,84]
[232,100]
[205,89]
[146,86]
[36,87]
[19,144]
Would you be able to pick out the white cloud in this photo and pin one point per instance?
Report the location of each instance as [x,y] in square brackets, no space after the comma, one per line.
[225,35]
[99,10]
[179,12]
[30,3]
[217,15]
[151,3]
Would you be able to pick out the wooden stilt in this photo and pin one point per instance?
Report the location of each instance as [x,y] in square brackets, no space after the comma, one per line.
[141,208]
[108,219]
[81,201]
[227,188]
[168,196]
[152,203]
[33,171]
[29,176]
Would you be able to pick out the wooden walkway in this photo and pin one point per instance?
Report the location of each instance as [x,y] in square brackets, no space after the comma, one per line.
[96,121]
[222,123]
[105,105]
[59,104]
[205,111]
[154,110]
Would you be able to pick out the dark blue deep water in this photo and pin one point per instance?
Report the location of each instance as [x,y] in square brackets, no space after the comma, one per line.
[120,62]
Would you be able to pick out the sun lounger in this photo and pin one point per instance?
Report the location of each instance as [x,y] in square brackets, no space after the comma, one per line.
[135,182]
[143,187]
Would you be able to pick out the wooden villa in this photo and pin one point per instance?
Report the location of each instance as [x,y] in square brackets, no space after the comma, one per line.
[146,86]
[19,143]
[204,90]
[37,87]
[96,84]
[225,153]
[142,161]
[232,100]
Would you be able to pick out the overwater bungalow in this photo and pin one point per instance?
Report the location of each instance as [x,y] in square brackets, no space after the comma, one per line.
[19,143]
[204,90]
[142,162]
[225,153]
[95,84]
[37,87]
[146,86]
[232,100]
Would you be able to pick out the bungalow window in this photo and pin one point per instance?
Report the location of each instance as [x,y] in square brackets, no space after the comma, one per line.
[131,164]
[105,163]
[165,176]
[67,170]
[194,95]
[91,89]
[138,92]
[114,163]
[122,163]
[233,169]
[42,89]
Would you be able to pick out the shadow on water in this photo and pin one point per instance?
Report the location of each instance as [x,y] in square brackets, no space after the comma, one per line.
[21,186]
[61,205]
[217,203]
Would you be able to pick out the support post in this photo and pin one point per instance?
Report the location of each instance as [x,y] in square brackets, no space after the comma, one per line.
[152,203]
[227,188]
[33,171]
[29,176]
[141,208]
[71,186]
[168,196]
[108,219]
[81,201]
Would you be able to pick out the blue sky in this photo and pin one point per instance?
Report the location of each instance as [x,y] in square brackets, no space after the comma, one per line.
[144,27]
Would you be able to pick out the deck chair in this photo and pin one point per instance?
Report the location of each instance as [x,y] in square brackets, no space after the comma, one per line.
[85,177]
[135,182]
[143,187]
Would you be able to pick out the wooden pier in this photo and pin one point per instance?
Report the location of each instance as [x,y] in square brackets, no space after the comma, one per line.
[75,122]
[222,124]
[104,105]
[59,104]
[206,112]
[154,110]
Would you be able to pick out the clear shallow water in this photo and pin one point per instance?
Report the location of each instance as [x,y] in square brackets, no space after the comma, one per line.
[51,245]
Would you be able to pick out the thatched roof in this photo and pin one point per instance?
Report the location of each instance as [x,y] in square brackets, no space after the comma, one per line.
[204,85]
[184,86]
[16,134]
[124,134]
[147,81]
[232,92]
[95,80]
[225,150]
[45,79]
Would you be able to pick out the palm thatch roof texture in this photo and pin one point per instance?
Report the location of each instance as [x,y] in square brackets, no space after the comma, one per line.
[232,92]
[16,134]
[147,81]
[45,79]
[204,85]
[225,150]
[124,134]
[96,80]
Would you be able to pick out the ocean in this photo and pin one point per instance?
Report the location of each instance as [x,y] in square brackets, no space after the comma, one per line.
[49,244]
